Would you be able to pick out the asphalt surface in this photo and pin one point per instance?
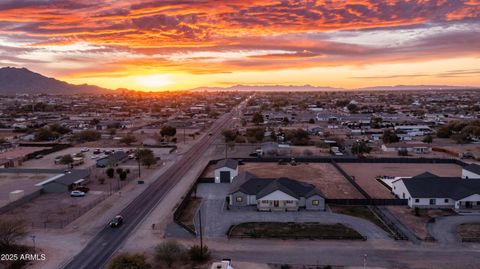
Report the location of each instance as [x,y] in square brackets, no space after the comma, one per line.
[444,229]
[100,248]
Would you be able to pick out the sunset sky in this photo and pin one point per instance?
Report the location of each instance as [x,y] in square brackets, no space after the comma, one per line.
[169,45]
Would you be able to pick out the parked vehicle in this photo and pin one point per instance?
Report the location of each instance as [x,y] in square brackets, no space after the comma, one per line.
[85,150]
[97,151]
[82,189]
[77,193]
[224,264]
[115,222]
[39,156]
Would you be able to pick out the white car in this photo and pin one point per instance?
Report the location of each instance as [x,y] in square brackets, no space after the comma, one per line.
[85,150]
[77,194]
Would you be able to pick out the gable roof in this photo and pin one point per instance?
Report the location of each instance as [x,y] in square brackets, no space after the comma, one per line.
[425,186]
[230,163]
[473,167]
[262,187]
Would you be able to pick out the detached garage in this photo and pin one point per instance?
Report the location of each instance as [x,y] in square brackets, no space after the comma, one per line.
[225,171]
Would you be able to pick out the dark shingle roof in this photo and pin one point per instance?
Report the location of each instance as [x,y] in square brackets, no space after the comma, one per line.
[230,163]
[72,176]
[264,186]
[474,168]
[424,186]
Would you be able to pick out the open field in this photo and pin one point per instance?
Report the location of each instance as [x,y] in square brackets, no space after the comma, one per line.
[323,175]
[365,174]
[19,181]
[308,230]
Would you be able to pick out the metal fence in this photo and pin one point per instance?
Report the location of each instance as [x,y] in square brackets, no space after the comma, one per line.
[375,202]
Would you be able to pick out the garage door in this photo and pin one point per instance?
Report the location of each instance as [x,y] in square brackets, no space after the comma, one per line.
[225,176]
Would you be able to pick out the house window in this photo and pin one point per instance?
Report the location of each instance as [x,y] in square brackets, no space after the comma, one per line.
[478,203]
[433,201]
[289,202]
[446,200]
[315,202]
[417,200]
[239,199]
[265,202]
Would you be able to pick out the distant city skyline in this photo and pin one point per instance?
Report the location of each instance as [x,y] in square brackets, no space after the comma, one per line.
[170,45]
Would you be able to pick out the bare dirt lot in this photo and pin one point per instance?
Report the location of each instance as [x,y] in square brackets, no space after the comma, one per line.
[323,175]
[55,210]
[19,181]
[365,174]
[469,232]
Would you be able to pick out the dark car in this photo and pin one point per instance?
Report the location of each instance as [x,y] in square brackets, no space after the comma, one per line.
[82,189]
[115,222]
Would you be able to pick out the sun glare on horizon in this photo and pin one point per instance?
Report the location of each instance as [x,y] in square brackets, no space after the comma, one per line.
[154,81]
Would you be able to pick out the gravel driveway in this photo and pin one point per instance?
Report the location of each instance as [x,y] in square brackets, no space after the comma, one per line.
[444,229]
[216,220]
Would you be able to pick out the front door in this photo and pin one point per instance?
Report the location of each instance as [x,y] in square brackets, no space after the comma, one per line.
[468,204]
[276,203]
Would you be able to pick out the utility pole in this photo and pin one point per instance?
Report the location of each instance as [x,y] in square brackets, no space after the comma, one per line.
[201,232]
[138,160]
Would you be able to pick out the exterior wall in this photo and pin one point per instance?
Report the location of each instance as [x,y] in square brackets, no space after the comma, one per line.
[473,199]
[285,202]
[425,203]
[55,187]
[234,196]
[400,190]
[467,174]
[309,203]
[286,205]
[233,173]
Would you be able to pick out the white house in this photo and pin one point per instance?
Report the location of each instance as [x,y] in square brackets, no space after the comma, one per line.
[225,171]
[418,148]
[430,191]
[471,171]
[282,194]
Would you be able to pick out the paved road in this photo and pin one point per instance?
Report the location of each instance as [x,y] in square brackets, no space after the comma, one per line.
[217,220]
[380,253]
[107,241]
[444,229]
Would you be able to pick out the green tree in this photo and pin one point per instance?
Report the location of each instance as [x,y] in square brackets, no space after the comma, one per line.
[129,261]
[123,175]
[66,159]
[299,137]
[110,172]
[87,136]
[427,139]
[229,135]
[169,252]
[352,108]
[257,118]
[128,139]
[57,128]
[168,131]
[389,136]
[256,133]
[146,157]
[198,254]
[45,134]
[360,147]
